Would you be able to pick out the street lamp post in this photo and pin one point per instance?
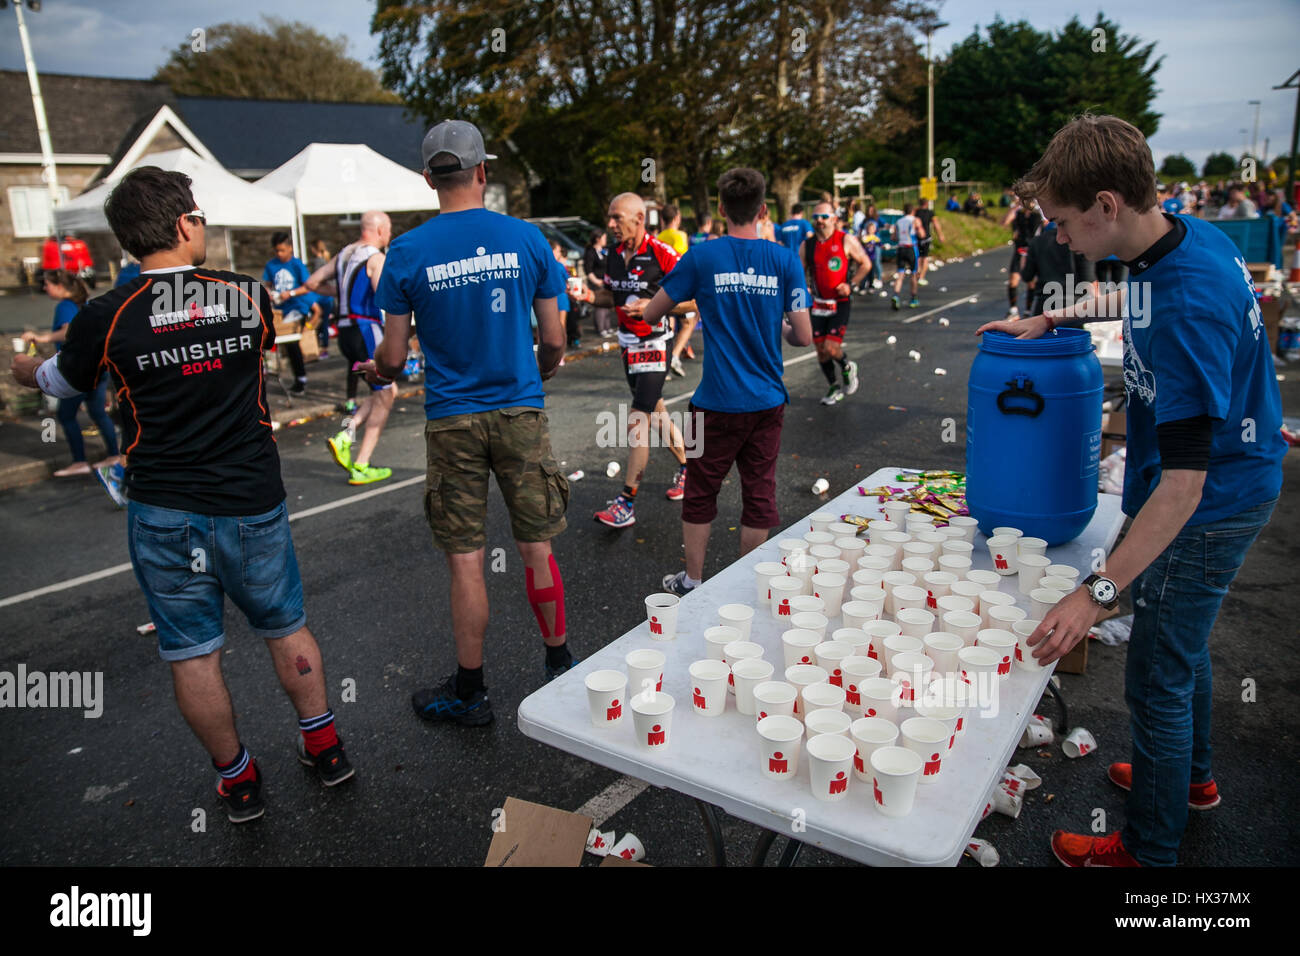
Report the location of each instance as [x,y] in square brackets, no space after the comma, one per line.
[49,172]
[1292,81]
[1254,139]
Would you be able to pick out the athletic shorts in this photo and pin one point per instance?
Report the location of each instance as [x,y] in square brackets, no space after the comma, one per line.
[358,341]
[749,440]
[906,259]
[514,444]
[188,563]
[646,368]
[1018,254]
[831,325]
[923,248]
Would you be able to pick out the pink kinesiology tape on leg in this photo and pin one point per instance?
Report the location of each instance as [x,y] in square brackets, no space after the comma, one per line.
[554,593]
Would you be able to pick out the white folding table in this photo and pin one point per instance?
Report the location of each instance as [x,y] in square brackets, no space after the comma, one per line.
[716,759]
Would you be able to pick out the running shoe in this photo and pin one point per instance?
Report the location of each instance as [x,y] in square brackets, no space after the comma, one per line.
[341,446]
[1013,313]
[677,490]
[575,344]
[1076,849]
[619,514]
[893,302]
[834,394]
[1200,796]
[349,407]
[676,584]
[112,477]
[554,672]
[244,800]
[689,352]
[331,763]
[298,387]
[676,366]
[914,303]
[441,703]
[922,281]
[366,474]
[850,377]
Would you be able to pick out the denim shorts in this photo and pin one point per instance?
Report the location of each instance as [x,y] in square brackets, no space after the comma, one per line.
[188,563]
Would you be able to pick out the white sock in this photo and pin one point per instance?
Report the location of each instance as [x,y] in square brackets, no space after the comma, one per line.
[690,581]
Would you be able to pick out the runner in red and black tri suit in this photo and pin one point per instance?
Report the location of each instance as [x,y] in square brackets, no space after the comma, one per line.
[826,255]
[1025,220]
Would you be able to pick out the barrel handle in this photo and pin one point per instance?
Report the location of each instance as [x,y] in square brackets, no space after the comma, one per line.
[1020,387]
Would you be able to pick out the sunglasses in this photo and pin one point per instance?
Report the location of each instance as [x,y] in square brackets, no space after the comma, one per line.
[822,215]
[197,213]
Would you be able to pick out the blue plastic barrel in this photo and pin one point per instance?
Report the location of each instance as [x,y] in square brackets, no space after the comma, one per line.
[1033,434]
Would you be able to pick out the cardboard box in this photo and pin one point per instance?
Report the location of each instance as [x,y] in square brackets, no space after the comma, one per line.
[1075,662]
[1114,432]
[530,834]
[1272,308]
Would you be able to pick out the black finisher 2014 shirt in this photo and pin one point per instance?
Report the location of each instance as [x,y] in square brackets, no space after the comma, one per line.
[185,353]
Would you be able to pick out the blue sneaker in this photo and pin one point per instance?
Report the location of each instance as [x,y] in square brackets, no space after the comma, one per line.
[441,703]
[113,477]
[619,514]
[554,672]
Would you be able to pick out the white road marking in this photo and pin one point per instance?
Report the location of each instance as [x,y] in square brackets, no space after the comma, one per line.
[802,358]
[971,299]
[612,799]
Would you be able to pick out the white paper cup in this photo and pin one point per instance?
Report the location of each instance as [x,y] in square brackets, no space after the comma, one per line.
[874,562]
[606,696]
[859,613]
[971,590]
[822,553]
[915,621]
[830,588]
[781,738]
[783,588]
[917,521]
[928,739]
[949,533]
[1038,733]
[942,647]
[789,547]
[1007,803]
[919,549]
[746,674]
[661,612]
[869,734]
[798,646]
[804,603]
[946,714]
[895,579]
[906,596]
[1025,773]
[774,697]
[830,654]
[890,553]
[1053,583]
[990,599]
[964,624]
[709,687]
[842,529]
[1002,552]
[895,772]
[877,525]
[821,521]
[957,547]
[800,566]
[739,616]
[1032,567]
[598,843]
[854,637]
[818,537]
[978,660]
[871,593]
[990,580]
[967,524]
[1063,571]
[937,584]
[1003,616]
[811,621]
[645,671]
[739,651]
[1025,659]
[931,535]
[1007,532]
[823,696]
[1002,643]
[958,565]
[867,578]
[652,718]
[953,602]
[1031,546]
[842,568]
[880,698]
[899,644]
[830,761]
[826,720]
[917,567]
[877,631]
[717,638]
[1078,743]
[628,848]
[856,670]
[802,676]
[911,672]
[896,511]
[1042,601]
[952,691]
[850,548]
[764,571]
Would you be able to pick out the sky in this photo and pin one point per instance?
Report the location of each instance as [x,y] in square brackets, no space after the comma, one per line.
[1211,68]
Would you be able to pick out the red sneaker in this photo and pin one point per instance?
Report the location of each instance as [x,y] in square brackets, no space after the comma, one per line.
[1076,849]
[1200,796]
[677,490]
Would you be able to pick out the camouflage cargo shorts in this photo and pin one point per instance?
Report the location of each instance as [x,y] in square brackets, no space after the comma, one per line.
[515,445]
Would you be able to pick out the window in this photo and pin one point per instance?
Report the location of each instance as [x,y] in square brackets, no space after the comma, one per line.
[351,219]
[30,206]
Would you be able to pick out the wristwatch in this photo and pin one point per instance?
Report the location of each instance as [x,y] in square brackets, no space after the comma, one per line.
[1102,591]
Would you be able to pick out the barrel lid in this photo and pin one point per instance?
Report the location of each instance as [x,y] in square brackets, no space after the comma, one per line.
[1056,342]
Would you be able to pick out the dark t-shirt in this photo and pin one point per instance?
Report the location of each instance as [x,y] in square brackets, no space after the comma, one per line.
[1024,225]
[926,216]
[185,353]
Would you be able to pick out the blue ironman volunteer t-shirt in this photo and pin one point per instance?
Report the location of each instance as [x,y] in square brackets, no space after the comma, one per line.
[743,288]
[283,276]
[470,279]
[1194,344]
[64,313]
[793,232]
[562,300]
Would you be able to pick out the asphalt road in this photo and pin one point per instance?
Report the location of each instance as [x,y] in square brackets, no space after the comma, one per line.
[125,788]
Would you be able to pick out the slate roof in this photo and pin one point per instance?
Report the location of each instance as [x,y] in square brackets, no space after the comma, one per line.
[86,114]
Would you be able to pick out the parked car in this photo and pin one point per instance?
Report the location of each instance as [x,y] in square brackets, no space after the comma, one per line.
[572,232]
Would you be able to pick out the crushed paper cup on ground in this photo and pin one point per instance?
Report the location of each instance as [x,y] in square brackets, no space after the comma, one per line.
[1031,780]
[1079,743]
[629,848]
[1037,733]
[599,844]
[982,852]
[1007,803]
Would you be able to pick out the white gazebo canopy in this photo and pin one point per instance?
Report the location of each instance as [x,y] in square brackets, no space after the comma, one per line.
[342,178]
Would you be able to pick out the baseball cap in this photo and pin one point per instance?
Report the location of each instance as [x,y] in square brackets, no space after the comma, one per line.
[458,138]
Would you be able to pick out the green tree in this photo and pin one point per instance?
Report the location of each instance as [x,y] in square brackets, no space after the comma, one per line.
[1177,166]
[1219,165]
[280,61]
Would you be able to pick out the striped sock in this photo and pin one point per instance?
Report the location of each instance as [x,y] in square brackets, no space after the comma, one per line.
[238,770]
[318,732]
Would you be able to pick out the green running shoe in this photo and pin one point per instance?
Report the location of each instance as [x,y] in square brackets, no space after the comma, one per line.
[365,474]
[341,446]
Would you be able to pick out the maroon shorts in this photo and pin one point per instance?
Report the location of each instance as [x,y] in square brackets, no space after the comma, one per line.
[750,440]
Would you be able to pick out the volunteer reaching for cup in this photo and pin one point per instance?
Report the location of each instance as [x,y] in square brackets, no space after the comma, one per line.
[1203,465]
